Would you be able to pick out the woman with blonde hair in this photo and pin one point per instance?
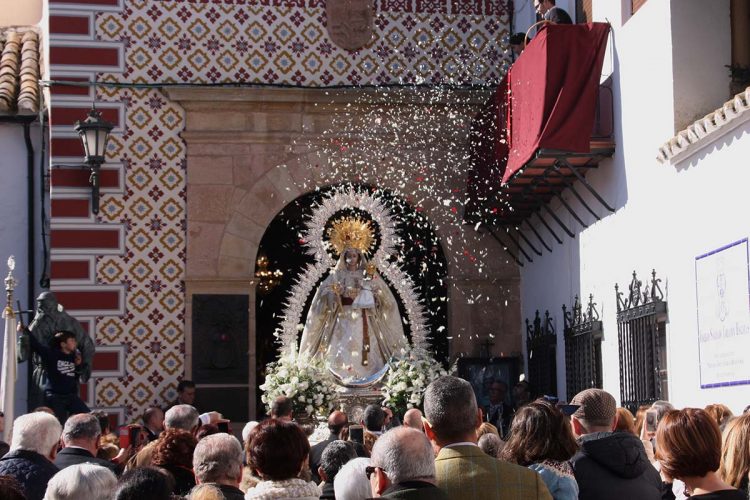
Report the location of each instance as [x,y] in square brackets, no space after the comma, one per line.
[487,428]
[720,413]
[735,454]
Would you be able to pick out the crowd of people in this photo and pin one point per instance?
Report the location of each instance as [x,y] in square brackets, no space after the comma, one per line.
[587,449]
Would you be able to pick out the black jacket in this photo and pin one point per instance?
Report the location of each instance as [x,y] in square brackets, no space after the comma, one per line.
[62,372]
[184,478]
[231,492]
[613,465]
[414,490]
[327,492]
[74,456]
[30,469]
[316,452]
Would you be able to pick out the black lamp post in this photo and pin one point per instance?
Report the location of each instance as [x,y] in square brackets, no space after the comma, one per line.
[94,133]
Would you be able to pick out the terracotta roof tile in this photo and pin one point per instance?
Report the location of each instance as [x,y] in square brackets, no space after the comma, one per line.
[19,70]
[704,129]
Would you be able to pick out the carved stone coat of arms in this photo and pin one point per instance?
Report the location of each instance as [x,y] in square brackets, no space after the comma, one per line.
[351,23]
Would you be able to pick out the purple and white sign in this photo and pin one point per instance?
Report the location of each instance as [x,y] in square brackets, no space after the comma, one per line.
[723,293]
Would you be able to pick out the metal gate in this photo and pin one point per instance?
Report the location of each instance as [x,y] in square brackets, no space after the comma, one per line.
[641,335]
[583,347]
[541,344]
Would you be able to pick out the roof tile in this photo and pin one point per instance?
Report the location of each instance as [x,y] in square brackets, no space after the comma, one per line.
[703,128]
[19,70]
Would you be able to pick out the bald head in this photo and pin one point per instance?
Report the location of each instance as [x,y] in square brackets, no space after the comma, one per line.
[413,419]
[337,421]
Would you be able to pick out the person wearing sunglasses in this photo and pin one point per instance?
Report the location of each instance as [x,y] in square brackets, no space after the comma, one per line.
[402,466]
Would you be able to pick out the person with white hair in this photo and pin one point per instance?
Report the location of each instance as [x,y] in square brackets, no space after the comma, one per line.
[351,482]
[184,417]
[248,429]
[217,460]
[32,451]
[402,466]
[82,481]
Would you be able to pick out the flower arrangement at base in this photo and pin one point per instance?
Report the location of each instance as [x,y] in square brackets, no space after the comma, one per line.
[408,378]
[305,381]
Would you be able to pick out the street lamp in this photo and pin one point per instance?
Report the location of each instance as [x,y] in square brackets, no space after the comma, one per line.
[94,133]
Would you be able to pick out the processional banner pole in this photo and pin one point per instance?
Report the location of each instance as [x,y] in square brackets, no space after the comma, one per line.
[8,382]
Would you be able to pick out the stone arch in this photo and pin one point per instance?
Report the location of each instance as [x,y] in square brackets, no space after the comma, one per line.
[252,151]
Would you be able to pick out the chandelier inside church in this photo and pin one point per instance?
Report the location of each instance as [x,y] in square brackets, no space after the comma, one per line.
[267,279]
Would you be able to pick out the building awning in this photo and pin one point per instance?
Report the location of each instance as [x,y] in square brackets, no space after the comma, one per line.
[547,123]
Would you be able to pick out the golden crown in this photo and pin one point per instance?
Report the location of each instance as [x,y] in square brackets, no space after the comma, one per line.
[351,232]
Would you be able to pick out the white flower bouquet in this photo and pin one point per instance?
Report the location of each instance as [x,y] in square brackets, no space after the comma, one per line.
[305,381]
[408,378]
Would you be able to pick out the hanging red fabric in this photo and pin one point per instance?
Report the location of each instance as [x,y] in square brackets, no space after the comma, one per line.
[552,94]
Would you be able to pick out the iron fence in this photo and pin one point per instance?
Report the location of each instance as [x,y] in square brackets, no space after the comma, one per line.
[641,335]
[583,347]
[541,346]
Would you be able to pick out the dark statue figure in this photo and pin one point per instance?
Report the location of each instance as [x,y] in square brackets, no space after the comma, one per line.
[49,319]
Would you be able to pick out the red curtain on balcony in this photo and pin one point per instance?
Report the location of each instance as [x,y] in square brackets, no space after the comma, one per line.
[552,92]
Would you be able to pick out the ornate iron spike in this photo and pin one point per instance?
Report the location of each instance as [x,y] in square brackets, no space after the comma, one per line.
[578,317]
[655,288]
[566,321]
[634,298]
[537,324]
[620,302]
[591,312]
[549,327]
[529,330]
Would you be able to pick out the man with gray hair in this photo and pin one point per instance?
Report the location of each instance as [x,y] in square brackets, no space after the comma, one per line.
[32,450]
[463,470]
[403,466]
[217,460]
[183,417]
[334,457]
[84,481]
[80,437]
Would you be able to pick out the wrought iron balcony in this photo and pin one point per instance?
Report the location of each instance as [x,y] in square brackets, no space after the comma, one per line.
[546,126]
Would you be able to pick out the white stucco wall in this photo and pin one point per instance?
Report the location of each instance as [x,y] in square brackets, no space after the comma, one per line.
[666,215]
[21,13]
[14,224]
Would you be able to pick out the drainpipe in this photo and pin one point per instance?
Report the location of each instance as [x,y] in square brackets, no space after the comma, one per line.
[25,122]
[31,266]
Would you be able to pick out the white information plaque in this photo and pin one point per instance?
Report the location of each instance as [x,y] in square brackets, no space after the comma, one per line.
[723,293]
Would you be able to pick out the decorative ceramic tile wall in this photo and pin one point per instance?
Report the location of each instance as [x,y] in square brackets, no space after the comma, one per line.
[210,42]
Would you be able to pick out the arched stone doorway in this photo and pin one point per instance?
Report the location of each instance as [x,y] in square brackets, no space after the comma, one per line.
[251,152]
[422,256]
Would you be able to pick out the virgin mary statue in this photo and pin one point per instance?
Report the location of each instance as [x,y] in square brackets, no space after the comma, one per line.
[354,323]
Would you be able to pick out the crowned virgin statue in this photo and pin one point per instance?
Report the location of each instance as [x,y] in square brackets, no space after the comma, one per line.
[353,321]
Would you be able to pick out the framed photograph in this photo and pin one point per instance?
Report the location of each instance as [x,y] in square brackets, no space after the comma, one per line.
[481,372]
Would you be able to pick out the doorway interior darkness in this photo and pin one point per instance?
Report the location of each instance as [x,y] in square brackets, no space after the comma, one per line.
[420,253]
